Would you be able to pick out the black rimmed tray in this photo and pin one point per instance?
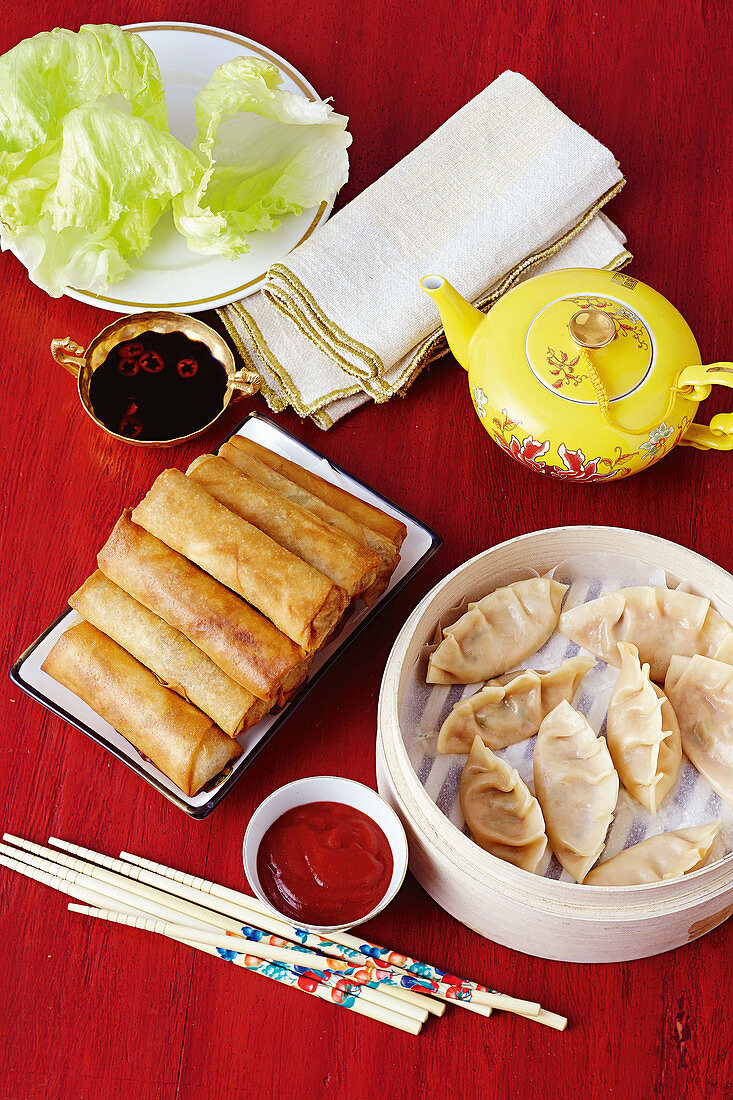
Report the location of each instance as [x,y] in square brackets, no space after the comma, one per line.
[419,546]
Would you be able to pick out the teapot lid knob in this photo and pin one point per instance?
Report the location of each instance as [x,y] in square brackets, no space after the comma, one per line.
[592,328]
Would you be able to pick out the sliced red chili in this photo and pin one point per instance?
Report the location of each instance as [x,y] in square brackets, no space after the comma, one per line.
[151,362]
[130,426]
[187,368]
[128,367]
[131,351]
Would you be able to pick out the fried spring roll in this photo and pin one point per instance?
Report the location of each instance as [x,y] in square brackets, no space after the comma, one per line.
[351,565]
[266,475]
[177,662]
[244,644]
[180,740]
[249,464]
[359,510]
[298,599]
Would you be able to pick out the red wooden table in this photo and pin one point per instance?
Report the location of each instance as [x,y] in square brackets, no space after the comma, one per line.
[88,1010]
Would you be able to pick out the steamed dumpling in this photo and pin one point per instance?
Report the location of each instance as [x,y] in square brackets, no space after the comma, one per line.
[498,632]
[661,857]
[500,811]
[701,692]
[510,708]
[642,733]
[659,621]
[577,788]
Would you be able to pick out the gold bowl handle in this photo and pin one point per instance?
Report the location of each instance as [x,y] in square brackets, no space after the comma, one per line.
[246,382]
[68,354]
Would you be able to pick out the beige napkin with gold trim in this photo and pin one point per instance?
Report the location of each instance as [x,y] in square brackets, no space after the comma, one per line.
[507,187]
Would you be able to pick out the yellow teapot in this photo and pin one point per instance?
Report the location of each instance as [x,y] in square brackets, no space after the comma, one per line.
[583,374]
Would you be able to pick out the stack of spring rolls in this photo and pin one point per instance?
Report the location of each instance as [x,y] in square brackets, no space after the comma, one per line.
[211,598]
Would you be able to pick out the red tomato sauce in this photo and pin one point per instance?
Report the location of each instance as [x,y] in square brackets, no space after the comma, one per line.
[324,863]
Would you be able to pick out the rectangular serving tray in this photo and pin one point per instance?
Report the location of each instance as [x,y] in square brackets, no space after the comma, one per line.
[419,546]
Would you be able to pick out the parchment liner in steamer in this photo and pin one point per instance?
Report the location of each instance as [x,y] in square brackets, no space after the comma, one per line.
[692,801]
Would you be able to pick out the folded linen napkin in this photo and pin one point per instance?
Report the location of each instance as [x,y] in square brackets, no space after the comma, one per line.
[505,188]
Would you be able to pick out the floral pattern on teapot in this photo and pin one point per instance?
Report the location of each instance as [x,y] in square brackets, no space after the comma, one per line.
[656,439]
[562,368]
[575,466]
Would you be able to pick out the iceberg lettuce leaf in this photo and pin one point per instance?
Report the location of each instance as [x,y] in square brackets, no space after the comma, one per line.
[94,198]
[87,163]
[45,77]
[266,152]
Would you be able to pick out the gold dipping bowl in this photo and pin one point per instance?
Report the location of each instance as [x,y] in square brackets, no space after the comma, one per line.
[82,364]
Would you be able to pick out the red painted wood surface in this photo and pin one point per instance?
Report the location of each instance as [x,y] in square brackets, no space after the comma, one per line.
[88,1010]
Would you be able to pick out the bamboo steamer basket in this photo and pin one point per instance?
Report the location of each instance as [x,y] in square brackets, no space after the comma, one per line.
[535,915]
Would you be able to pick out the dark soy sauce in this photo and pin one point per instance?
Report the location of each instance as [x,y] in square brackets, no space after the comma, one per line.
[161,385]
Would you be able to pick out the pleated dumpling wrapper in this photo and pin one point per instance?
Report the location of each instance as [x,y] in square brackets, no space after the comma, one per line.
[577,787]
[498,632]
[642,733]
[701,692]
[659,621]
[661,857]
[510,708]
[502,814]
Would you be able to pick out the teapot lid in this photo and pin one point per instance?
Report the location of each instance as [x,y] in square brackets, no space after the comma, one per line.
[622,344]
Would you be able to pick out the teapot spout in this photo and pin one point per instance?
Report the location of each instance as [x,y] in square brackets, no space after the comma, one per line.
[460,319]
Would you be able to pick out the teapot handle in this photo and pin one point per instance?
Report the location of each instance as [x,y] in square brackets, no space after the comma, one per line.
[695,383]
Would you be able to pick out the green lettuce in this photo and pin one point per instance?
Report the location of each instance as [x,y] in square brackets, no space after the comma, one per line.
[265,153]
[87,163]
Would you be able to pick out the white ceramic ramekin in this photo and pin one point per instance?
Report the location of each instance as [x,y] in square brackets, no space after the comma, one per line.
[326,788]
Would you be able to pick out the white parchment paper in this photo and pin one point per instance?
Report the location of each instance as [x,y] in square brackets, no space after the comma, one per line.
[691,801]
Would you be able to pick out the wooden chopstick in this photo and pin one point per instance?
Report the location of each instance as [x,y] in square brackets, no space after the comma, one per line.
[231,904]
[169,907]
[243,918]
[76,885]
[262,953]
[91,897]
[350,947]
[115,887]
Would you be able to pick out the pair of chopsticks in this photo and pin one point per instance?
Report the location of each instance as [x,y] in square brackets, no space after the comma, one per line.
[362,977]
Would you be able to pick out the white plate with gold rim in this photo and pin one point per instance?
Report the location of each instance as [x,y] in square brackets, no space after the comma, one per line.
[168,275]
